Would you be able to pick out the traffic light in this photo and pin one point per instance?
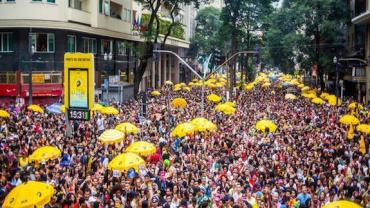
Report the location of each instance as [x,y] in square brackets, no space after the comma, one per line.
[217,57]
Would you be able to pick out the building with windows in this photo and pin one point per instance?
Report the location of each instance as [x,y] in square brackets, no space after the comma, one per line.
[105,28]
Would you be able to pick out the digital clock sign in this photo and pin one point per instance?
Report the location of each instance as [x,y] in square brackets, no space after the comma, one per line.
[79,114]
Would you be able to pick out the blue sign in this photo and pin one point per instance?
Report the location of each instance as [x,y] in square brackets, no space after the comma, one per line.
[105,84]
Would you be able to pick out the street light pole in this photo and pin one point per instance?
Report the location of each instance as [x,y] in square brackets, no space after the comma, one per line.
[31,51]
[335,61]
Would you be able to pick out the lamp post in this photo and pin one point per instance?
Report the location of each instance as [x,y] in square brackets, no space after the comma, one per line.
[32,51]
[107,57]
[335,61]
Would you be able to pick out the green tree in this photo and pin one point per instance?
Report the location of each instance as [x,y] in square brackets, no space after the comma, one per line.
[206,37]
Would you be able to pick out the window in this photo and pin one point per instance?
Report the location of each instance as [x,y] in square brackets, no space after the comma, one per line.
[6,42]
[51,1]
[127,15]
[43,42]
[71,43]
[89,45]
[106,46]
[7,78]
[10,0]
[121,48]
[75,4]
[37,0]
[101,6]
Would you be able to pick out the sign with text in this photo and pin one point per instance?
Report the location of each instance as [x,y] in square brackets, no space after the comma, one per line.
[38,78]
[78,85]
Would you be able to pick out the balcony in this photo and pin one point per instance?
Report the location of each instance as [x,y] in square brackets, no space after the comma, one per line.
[75,15]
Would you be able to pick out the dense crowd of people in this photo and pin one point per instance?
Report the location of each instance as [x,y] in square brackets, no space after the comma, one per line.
[308,162]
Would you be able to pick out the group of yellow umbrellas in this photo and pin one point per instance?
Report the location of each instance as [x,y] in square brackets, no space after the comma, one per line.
[199,124]
[112,136]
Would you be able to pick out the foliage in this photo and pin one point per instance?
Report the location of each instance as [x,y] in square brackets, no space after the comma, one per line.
[176,32]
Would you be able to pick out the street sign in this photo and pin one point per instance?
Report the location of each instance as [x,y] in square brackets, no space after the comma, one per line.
[78,85]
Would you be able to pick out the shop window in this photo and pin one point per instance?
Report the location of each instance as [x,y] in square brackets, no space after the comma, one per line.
[106,46]
[43,42]
[6,42]
[89,45]
[71,43]
[7,77]
[121,48]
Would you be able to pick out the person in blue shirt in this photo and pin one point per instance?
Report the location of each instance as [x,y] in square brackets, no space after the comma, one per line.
[304,198]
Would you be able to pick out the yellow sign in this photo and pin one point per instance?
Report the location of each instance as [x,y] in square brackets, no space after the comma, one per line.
[79,80]
[38,78]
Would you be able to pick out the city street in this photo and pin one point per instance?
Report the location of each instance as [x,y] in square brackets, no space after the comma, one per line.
[302,156]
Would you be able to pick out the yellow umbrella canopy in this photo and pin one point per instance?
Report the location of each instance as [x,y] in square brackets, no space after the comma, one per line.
[349,120]
[332,100]
[127,128]
[183,129]
[45,153]
[364,128]
[266,84]
[109,111]
[264,125]
[30,194]
[175,89]
[301,86]
[249,86]
[168,82]
[355,105]
[214,98]
[317,101]
[290,97]
[126,161]
[342,204]
[142,148]
[4,114]
[187,89]
[97,107]
[225,108]
[35,108]
[324,95]
[305,89]
[179,103]
[308,95]
[111,136]
[201,124]
[230,103]
[155,93]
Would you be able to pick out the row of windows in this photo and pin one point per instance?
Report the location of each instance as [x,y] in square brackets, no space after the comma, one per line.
[37,78]
[45,43]
[48,1]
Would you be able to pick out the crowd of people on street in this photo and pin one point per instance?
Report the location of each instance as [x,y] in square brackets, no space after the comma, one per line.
[307,163]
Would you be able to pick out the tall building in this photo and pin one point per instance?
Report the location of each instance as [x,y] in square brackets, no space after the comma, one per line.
[107,28]
[357,74]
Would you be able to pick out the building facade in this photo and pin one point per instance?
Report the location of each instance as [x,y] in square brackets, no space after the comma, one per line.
[54,27]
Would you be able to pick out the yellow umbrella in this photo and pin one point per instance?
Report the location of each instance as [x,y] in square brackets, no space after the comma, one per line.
[325,95]
[183,129]
[249,86]
[177,88]
[179,103]
[126,161]
[35,108]
[317,101]
[305,89]
[63,108]
[262,125]
[332,100]
[168,82]
[155,93]
[187,89]
[30,194]
[308,95]
[226,109]
[202,124]
[97,107]
[301,86]
[4,114]
[45,153]
[266,85]
[364,128]
[290,97]
[349,120]
[214,98]
[211,85]
[342,204]
[355,105]
[109,111]
[111,136]
[142,148]
[127,128]
[230,103]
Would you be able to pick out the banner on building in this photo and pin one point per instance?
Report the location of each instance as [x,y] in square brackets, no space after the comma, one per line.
[38,78]
[78,85]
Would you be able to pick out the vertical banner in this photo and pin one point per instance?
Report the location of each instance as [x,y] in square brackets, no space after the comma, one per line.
[79,85]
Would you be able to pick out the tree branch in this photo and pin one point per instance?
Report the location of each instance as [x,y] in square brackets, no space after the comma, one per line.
[169,29]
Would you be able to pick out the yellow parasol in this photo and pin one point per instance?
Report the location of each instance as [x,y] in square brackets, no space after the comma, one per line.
[111,136]
[109,111]
[325,95]
[300,86]
[290,97]
[214,98]
[127,128]
[142,148]
[4,114]
[364,128]
[126,161]
[266,85]
[187,89]
[349,120]
[45,153]
[30,194]
[201,124]
[183,129]
[264,125]
[225,108]
[249,86]
[355,105]
[35,108]
[230,103]
[305,89]
[155,93]
[342,204]
[168,82]
[332,100]
[97,107]
[179,103]
[317,101]
[309,95]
